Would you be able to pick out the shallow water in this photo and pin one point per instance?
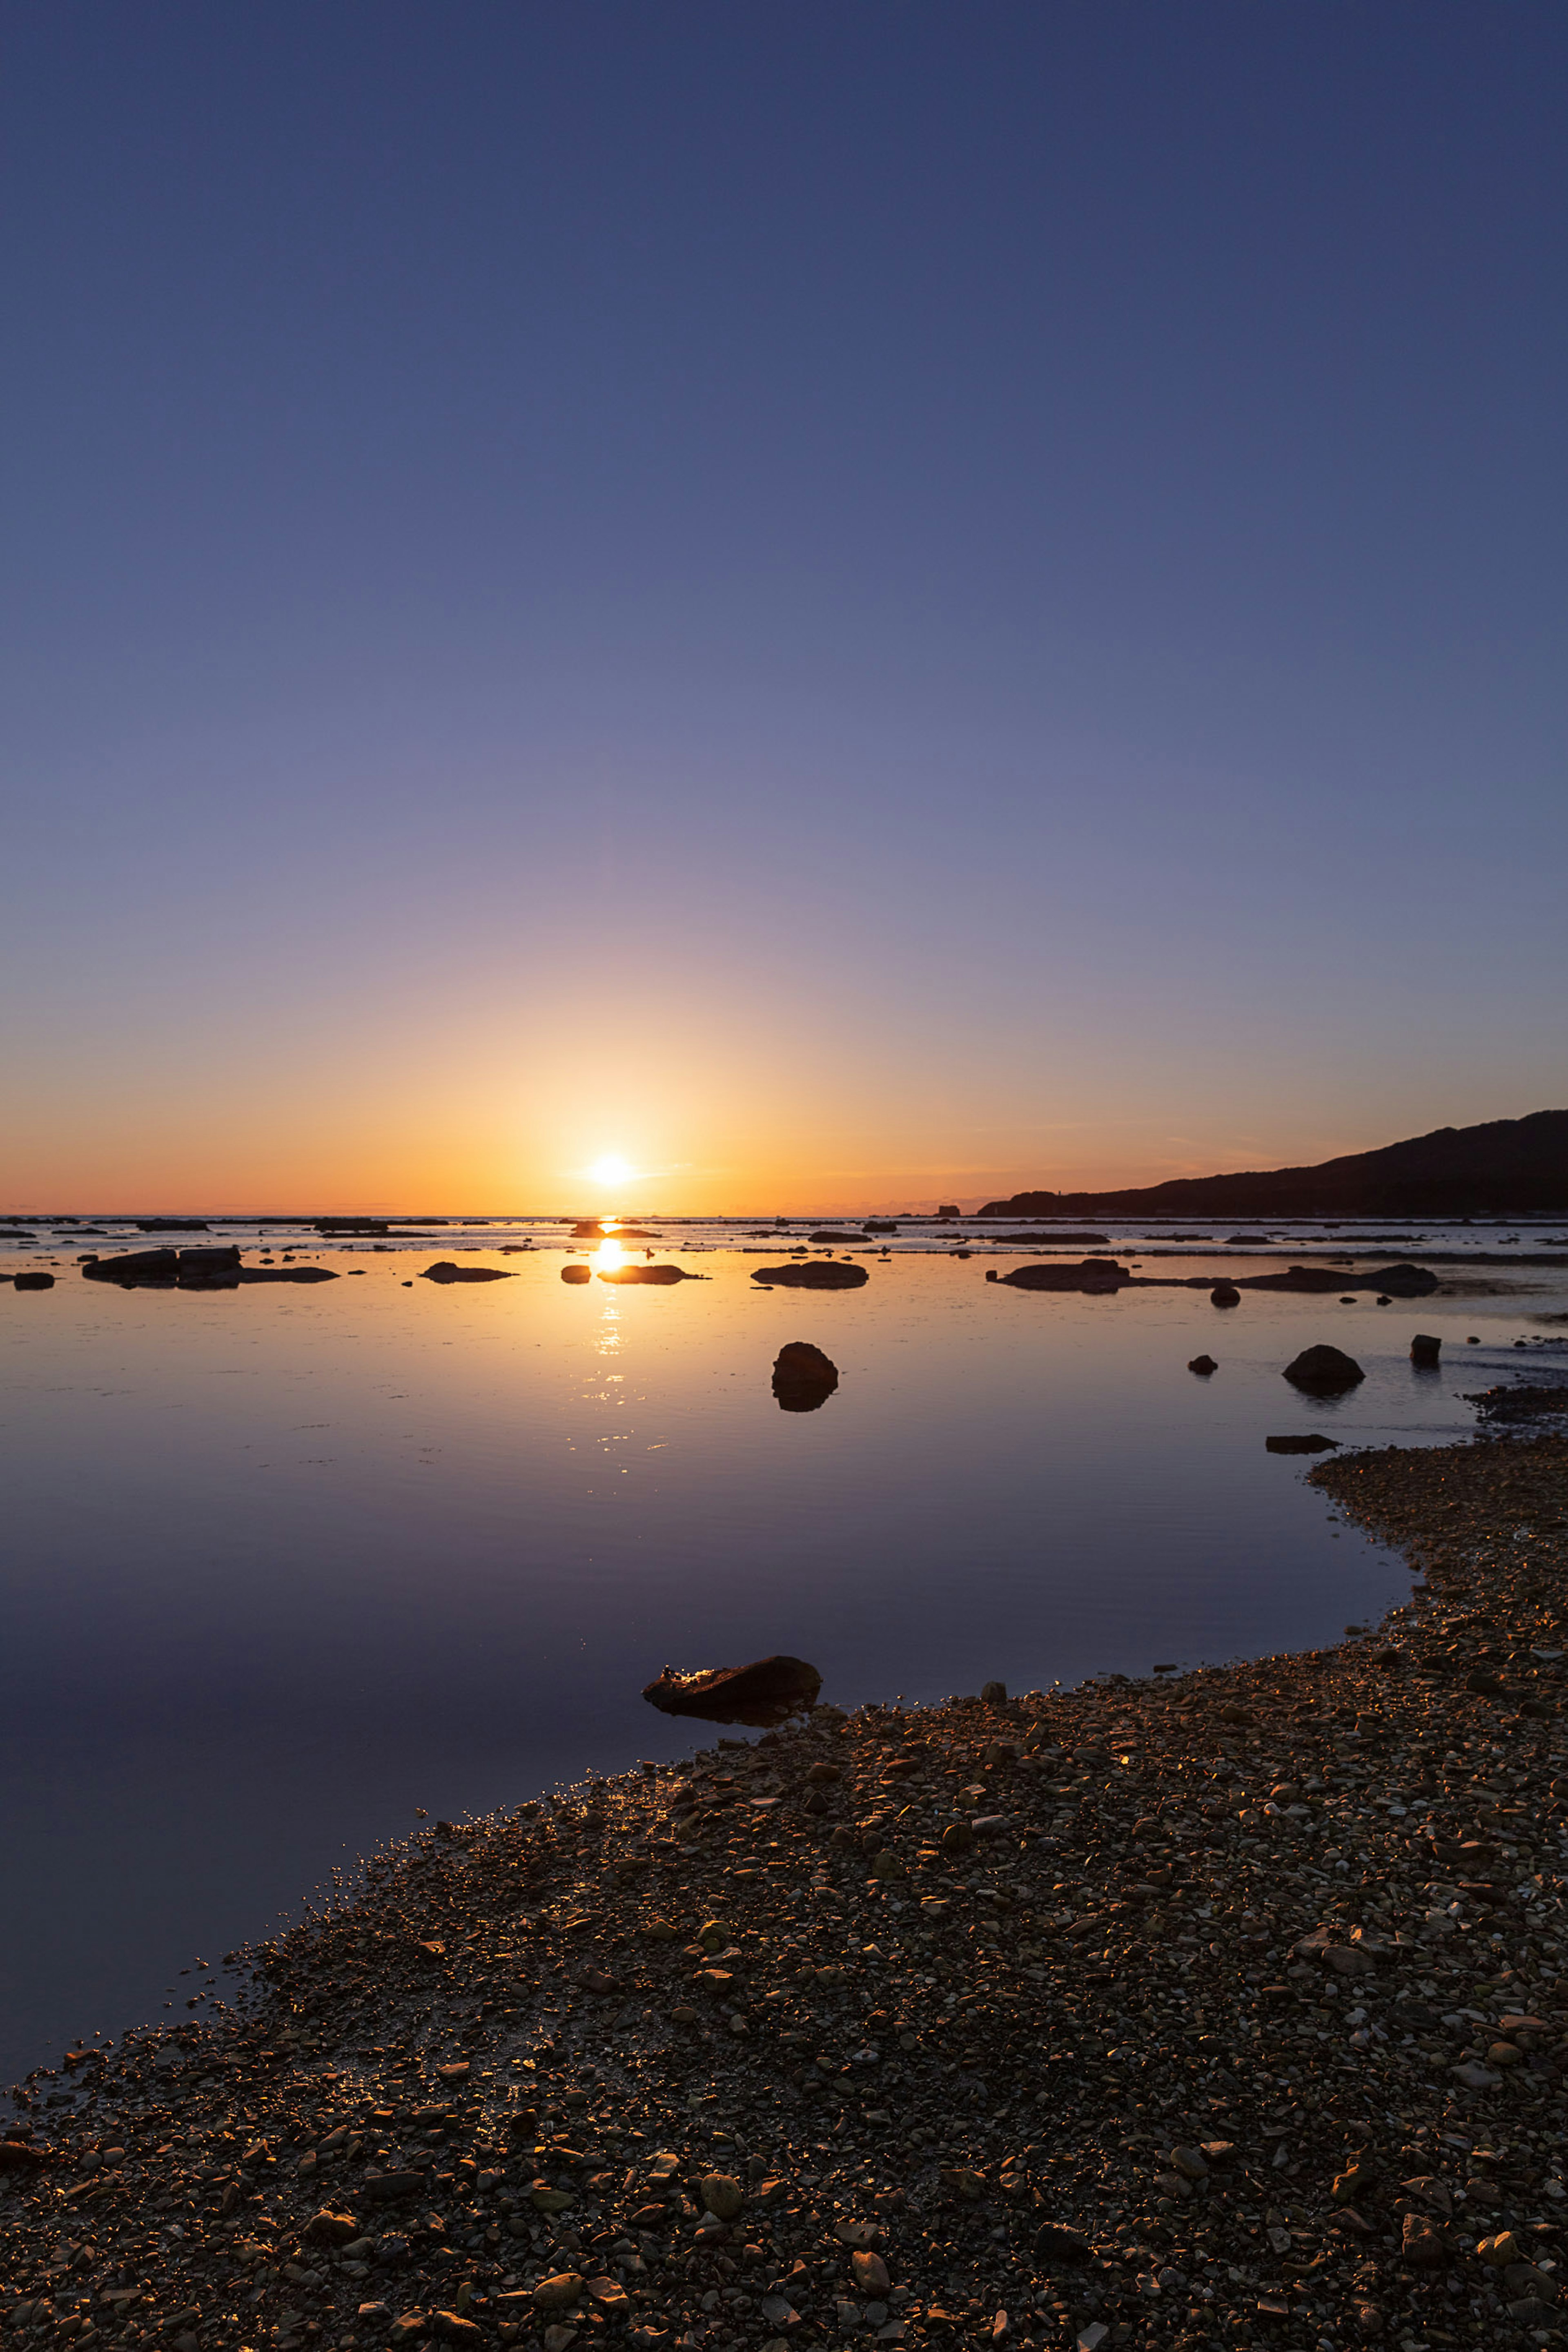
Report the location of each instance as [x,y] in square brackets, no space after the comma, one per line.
[281,1566]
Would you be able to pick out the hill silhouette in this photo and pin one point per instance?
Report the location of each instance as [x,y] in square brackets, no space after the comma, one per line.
[1506,1167]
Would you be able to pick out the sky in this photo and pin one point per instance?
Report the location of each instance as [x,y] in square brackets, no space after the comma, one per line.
[851,605]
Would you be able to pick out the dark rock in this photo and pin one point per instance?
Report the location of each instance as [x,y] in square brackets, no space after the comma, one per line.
[35,1278]
[765,1692]
[1054,2243]
[588,1229]
[444,1271]
[1090,1274]
[135,1266]
[814,1273]
[1225,1294]
[803,1377]
[833,1233]
[1425,1350]
[1313,1445]
[1325,1371]
[388,2187]
[1205,1364]
[354,1224]
[994,1694]
[949,1208]
[661,1275]
[577,1274]
[173,1225]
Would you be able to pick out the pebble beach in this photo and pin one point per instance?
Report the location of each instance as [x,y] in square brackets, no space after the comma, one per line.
[1212,2010]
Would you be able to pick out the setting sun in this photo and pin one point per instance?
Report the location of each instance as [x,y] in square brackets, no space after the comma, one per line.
[610,1169]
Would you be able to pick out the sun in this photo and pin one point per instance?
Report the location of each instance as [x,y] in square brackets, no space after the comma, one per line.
[610,1169]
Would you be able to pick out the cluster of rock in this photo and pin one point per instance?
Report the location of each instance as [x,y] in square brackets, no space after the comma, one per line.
[218,1268]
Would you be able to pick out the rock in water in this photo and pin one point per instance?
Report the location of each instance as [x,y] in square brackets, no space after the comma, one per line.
[766,1691]
[577,1274]
[1325,1371]
[444,1271]
[814,1273]
[803,1377]
[1225,1294]
[34,1277]
[1205,1364]
[1313,1445]
[661,1274]
[1425,1350]
[1090,1274]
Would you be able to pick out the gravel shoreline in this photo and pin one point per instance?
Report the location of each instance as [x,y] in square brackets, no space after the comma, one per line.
[1218,2009]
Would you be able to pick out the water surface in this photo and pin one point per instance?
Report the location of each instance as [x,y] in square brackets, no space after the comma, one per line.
[281,1566]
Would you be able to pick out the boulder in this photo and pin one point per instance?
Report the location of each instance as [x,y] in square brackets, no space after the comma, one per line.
[1425,1352]
[1204,1364]
[803,1377]
[1310,1444]
[444,1270]
[1225,1294]
[135,1266]
[577,1274]
[763,1693]
[1325,1371]
[814,1273]
[34,1277]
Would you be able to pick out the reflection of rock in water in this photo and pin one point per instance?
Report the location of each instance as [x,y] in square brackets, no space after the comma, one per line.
[659,1273]
[444,1271]
[814,1273]
[763,1693]
[803,1377]
[1225,1294]
[577,1274]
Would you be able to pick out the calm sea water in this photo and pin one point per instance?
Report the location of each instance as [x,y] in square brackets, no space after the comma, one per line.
[281,1565]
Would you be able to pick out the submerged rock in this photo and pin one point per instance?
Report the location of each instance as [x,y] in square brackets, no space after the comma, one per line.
[763,1693]
[814,1273]
[803,1377]
[577,1274]
[1323,1369]
[444,1271]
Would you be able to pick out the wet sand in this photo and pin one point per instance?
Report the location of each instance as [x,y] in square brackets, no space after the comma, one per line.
[1216,2010]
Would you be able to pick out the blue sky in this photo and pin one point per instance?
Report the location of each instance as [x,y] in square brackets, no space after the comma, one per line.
[855,602]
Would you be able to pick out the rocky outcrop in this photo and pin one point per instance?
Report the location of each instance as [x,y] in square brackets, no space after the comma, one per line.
[33,1277]
[194,1269]
[1324,1370]
[445,1271]
[813,1274]
[763,1693]
[803,1377]
[1093,1274]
